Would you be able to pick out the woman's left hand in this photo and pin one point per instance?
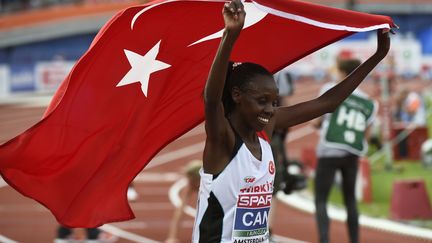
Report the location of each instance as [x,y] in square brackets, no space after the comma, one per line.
[383,42]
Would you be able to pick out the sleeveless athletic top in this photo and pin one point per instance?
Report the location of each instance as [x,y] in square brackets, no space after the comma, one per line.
[234,205]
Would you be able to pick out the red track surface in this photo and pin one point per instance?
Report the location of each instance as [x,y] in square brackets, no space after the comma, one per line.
[24,220]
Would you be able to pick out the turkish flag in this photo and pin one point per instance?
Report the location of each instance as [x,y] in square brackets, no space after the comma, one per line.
[139,87]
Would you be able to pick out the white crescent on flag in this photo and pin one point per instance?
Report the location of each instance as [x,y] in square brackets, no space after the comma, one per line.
[257,11]
[253,16]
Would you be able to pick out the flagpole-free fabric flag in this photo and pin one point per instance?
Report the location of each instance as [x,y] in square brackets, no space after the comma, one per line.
[139,87]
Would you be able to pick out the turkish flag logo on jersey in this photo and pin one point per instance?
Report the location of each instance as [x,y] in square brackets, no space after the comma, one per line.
[139,87]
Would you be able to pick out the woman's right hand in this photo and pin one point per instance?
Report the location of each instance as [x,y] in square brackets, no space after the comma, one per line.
[234,16]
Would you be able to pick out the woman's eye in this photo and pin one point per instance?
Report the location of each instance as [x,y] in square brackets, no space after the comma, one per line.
[262,101]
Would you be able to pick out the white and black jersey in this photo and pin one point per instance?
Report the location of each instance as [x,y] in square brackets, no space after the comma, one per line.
[234,205]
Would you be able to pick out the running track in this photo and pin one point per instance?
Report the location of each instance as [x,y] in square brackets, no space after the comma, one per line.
[23,220]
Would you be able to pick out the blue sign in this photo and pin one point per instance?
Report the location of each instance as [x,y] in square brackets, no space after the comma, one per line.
[22,77]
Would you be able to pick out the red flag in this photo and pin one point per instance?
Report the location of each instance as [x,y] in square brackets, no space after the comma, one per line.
[139,87]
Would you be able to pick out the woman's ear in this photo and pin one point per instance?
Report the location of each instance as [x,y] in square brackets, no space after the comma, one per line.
[236,94]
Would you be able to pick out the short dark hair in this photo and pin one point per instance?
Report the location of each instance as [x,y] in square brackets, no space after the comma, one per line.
[348,65]
[239,75]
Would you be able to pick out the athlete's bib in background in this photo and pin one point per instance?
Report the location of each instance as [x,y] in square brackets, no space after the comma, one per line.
[347,125]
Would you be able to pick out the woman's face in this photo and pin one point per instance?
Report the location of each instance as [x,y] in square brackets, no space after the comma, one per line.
[257,101]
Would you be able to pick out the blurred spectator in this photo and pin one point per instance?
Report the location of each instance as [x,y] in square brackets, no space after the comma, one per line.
[93,235]
[426,72]
[410,108]
[191,172]
[65,234]
[342,140]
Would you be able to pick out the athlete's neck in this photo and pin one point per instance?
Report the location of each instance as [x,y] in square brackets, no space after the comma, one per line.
[247,133]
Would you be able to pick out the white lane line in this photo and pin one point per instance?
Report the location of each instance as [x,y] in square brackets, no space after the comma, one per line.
[300,133]
[150,206]
[198,130]
[153,191]
[2,183]
[6,240]
[140,225]
[395,227]
[306,204]
[157,177]
[126,235]
[176,154]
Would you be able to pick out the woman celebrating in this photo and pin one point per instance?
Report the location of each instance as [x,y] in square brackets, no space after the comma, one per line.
[241,113]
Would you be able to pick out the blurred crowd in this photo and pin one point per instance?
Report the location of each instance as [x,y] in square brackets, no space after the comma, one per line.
[7,6]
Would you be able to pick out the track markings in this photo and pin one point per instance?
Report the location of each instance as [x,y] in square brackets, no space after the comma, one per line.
[176,154]
[2,183]
[126,235]
[22,208]
[6,240]
[151,206]
[181,182]
[300,133]
[157,177]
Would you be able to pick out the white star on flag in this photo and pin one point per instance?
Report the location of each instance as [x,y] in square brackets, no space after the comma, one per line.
[142,67]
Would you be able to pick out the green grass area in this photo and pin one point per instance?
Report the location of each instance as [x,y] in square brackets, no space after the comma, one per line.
[428,102]
[382,187]
[383,179]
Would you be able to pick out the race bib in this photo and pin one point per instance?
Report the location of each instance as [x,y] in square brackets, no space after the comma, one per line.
[251,217]
[347,125]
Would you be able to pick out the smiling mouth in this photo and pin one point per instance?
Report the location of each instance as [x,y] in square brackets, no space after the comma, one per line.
[263,120]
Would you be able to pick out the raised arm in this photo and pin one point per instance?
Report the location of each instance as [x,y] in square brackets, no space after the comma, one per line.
[330,100]
[220,139]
